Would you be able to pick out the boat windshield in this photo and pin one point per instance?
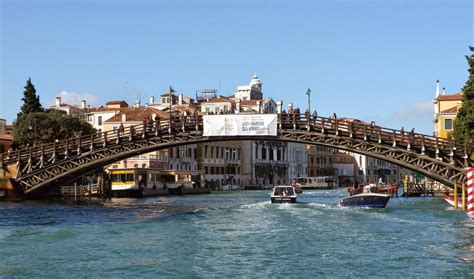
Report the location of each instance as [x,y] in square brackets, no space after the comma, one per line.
[284,191]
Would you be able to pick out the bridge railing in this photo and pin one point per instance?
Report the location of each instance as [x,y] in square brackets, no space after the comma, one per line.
[61,150]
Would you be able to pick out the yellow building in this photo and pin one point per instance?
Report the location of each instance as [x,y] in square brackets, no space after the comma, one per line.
[446,108]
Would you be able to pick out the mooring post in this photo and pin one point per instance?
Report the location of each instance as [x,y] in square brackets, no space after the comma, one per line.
[455,196]
[463,196]
[405,185]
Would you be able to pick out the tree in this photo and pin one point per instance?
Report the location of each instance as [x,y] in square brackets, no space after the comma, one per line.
[464,124]
[31,102]
[43,127]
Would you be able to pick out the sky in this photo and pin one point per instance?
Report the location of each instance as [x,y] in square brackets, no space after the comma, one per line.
[371,60]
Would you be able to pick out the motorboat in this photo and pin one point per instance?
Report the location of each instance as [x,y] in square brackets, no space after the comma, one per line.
[283,194]
[450,200]
[366,196]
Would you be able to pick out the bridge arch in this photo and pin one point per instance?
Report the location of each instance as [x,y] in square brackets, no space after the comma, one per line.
[42,168]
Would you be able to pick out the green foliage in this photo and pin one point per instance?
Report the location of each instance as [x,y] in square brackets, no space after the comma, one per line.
[31,102]
[464,124]
[43,127]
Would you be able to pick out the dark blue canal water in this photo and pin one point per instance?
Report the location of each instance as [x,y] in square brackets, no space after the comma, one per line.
[239,234]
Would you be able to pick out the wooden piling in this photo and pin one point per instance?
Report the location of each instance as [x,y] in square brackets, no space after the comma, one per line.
[455,196]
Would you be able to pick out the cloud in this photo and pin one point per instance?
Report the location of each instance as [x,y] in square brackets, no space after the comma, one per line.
[415,110]
[73,98]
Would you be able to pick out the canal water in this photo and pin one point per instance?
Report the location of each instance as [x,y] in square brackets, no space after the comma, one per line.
[239,234]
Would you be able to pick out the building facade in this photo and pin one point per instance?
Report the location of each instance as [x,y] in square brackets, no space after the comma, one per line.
[446,108]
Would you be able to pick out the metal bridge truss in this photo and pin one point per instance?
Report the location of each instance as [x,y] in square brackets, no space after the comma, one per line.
[45,167]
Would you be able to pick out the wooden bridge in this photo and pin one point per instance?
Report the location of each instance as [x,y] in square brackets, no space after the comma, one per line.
[36,170]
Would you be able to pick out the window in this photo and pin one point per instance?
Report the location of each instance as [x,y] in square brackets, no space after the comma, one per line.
[99,120]
[212,152]
[264,153]
[206,147]
[448,124]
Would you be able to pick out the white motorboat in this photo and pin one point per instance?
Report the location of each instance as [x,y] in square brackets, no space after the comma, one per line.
[283,194]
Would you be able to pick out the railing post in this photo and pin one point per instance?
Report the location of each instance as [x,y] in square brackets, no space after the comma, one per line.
[466,156]
[132,133]
[322,125]
[336,132]
[437,148]
[42,156]
[105,139]
[280,118]
[144,129]
[79,148]
[365,132]
[66,152]
[294,121]
[53,158]
[451,154]
[117,141]
[157,126]
[92,143]
[422,145]
[394,139]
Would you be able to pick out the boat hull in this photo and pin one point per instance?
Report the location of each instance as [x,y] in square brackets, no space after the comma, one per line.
[283,199]
[366,200]
[450,200]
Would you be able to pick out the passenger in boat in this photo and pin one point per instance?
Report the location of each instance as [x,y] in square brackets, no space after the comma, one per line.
[380,182]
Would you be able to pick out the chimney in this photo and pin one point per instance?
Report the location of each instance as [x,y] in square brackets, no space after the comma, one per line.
[290,107]
[279,106]
[137,104]
[124,117]
[259,105]
[152,100]
[437,88]
[180,99]
[58,102]
[237,106]
[83,104]
[444,91]
[153,116]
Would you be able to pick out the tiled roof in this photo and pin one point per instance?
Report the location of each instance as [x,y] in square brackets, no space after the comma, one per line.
[102,109]
[249,103]
[450,110]
[117,103]
[454,97]
[137,114]
[218,100]
[6,137]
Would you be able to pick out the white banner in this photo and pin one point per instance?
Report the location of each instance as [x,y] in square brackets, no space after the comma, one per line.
[240,125]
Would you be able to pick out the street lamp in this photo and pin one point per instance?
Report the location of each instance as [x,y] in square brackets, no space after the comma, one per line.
[308,92]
